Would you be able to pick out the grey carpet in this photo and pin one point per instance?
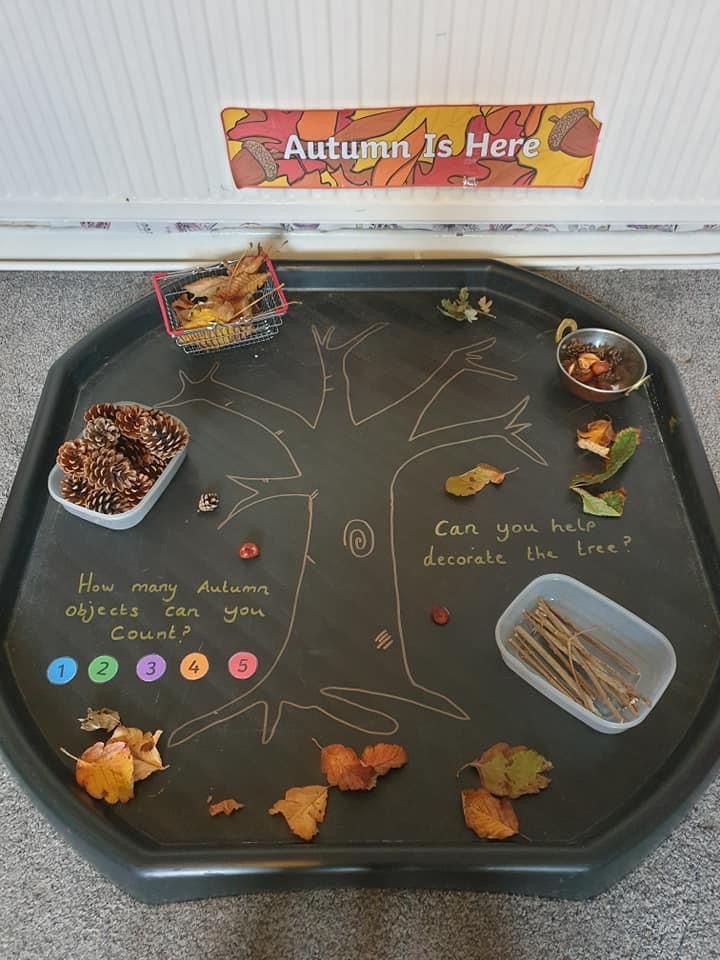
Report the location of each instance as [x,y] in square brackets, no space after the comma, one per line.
[53,905]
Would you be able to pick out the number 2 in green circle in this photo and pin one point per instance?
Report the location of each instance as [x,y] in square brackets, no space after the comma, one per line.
[102,669]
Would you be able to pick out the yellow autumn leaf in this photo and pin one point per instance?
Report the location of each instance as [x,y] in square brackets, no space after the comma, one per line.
[105,771]
[474,480]
[488,817]
[512,771]
[303,808]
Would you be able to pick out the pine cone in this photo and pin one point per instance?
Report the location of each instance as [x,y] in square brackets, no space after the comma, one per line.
[140,457]
[163,435]
[101,432]
[131,419]
[104,501]
[106,410]
[108,470]
[208,502]
[76,489]
[138,488]
[73,455]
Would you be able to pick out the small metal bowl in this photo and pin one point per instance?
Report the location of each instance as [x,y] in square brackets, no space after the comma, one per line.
[634,363]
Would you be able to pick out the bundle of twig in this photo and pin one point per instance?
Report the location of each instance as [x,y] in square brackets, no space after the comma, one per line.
[578,664]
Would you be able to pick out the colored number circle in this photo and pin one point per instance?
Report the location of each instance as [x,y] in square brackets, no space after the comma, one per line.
[102,669]
[150,667]
[242,665]
[62,670]
[194,666]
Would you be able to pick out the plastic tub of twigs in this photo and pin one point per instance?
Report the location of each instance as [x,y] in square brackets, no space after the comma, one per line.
[586,653]
[236,303]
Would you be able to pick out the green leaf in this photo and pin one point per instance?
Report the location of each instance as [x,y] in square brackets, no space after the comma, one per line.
[608,504]
[459,309]
[624,446]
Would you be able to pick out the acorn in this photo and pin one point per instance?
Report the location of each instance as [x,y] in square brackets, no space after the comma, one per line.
[574,133]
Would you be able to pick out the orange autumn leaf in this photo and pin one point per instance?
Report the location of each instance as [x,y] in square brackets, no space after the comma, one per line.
[303,809]
[383,757]
[316,124]
[343,769]
[488,817]
[597,437]
[143,749]
[105,771]
[228,806]
[388,168]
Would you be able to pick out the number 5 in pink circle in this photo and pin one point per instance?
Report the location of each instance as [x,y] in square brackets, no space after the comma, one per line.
[242,665]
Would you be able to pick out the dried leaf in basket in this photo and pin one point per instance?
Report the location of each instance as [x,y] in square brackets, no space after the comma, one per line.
[204,287]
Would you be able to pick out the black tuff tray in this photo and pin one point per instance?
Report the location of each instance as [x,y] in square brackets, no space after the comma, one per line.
[329,447]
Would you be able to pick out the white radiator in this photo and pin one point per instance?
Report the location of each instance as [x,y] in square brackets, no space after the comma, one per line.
[110,108]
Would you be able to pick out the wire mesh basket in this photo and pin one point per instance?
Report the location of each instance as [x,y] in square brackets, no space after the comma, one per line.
[266,319]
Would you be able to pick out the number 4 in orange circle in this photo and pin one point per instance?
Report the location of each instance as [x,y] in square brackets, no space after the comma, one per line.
[194,666]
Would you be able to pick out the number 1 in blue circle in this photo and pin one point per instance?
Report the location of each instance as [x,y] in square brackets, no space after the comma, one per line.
[62,670]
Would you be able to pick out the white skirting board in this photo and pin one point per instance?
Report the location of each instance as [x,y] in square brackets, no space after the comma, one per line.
[44,248]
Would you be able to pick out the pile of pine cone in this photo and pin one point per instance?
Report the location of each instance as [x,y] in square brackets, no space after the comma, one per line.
[123,450]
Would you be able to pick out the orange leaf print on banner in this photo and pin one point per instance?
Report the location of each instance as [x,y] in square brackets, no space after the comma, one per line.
[317,124]
[389,167]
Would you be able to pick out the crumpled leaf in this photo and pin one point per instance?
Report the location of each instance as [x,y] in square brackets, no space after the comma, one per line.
[383,757]
[487,816]
[597,437]
[344,769]
[100,718]
[461,309]
[143,748]
[228,806]
[512,771]
[205,286]
[303,809]
[485,306]
[611,503]
[623,447]
[474,480]
[105,771]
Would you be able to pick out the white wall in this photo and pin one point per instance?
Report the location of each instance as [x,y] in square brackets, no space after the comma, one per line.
[110,107]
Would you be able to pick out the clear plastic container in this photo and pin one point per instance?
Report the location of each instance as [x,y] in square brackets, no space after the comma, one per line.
[621,630]
[120,521]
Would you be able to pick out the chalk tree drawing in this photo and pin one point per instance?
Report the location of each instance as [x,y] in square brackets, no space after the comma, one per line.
[316,484]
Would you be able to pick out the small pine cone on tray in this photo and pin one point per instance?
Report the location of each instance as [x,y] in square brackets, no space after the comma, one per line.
[105,501]
[163,435]
[108,470]
[131,420]
[208,502]
[76,489]
[101,432]
[135,491]
[73,455]
[105,410]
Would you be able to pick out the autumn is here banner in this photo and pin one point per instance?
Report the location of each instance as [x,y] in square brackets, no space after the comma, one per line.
[535,145]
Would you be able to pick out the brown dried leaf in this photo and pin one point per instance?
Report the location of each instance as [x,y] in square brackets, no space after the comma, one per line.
[474,480]
[105,771]
[384,757]
[488,817]
[597,437]
[204,287]
[101,718]
[303,809]
[224,806]
[342,768]
[143,748]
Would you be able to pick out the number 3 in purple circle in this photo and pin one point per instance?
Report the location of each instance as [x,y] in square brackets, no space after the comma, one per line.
[150,667]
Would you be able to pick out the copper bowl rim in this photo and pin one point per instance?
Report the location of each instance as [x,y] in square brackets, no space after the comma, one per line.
[597,391]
